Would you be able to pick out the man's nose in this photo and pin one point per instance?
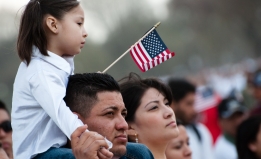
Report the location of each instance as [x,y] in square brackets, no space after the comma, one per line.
[122,124]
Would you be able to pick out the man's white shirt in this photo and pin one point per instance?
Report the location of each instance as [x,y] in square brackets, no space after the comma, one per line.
[200,149]
[224,149]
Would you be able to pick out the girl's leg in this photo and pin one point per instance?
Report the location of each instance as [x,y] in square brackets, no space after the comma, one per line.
[56,153]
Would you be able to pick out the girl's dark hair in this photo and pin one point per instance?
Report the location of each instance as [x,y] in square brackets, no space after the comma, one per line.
[133,88]
[246,134]
[31,30]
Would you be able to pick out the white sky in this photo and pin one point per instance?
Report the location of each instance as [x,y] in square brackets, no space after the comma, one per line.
[12,4]
[99,31]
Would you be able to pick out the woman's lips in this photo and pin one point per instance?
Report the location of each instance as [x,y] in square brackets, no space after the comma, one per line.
[172,123]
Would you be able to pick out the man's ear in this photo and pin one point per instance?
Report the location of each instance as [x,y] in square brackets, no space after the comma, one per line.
[52,24]
[79,116]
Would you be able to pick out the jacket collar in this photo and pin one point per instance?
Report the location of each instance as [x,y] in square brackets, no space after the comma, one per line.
[65,63]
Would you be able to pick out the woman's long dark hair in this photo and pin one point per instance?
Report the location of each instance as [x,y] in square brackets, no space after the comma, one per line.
[246,134]
[31,30]
[133,88]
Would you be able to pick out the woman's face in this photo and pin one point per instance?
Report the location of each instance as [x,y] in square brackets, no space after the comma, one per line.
[154,120]
[179,147]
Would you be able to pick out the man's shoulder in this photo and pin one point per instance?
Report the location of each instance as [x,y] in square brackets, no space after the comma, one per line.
[137,151]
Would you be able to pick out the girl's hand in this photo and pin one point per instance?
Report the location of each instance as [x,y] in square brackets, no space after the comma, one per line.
[88,144]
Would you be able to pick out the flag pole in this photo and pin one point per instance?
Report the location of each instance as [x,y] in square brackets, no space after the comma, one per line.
[154,27]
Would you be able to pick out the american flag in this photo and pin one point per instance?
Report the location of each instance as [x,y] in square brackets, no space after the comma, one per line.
[206,98]
[150,52]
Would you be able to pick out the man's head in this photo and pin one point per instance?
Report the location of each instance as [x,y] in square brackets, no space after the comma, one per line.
[256,82]
[97,100]
[5,130]
[183,100]
[231,113]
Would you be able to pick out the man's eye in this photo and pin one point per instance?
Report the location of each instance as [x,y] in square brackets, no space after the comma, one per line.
[109,114]
[167,103]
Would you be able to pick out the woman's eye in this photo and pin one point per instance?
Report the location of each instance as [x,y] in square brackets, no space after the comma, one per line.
[79,24]
[153,108]
[124,114]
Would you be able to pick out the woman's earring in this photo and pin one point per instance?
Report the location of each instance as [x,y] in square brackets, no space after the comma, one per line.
[136,138]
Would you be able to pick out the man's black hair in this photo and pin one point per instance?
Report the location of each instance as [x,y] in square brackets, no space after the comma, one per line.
[180,88]
[82,90]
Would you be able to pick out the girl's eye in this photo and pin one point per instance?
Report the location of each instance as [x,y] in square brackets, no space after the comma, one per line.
[178,147]
[79,24]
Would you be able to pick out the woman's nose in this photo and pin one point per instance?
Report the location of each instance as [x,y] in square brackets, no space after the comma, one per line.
[168,112]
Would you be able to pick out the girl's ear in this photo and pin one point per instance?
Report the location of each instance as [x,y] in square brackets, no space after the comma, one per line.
[51,24]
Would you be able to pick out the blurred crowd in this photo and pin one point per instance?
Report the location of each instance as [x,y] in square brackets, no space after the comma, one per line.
[218,114]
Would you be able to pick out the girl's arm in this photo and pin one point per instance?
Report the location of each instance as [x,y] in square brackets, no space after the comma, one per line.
[49,90]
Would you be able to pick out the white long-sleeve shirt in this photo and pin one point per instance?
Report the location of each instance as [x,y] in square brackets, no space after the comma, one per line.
[200,149]
[224,149]
[40,117]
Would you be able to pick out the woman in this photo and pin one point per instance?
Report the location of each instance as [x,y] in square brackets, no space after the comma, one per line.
[248,139]
[178,148]
[150,116]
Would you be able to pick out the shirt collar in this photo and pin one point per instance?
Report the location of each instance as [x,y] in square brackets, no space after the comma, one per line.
[65,63]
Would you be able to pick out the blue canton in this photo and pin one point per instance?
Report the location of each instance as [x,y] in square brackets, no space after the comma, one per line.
[153,44]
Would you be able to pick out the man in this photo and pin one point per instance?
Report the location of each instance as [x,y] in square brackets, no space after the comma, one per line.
[231,113]
[97,101]
[184,94]
[5,131]
[257,93]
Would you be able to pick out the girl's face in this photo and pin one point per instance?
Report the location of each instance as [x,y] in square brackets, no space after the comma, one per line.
[71,33]
[179,147]
[154,120]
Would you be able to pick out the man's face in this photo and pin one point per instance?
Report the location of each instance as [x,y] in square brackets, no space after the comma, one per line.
[107,117]
[185,110]
[5,137]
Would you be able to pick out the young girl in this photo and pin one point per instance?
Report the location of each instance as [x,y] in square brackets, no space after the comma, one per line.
[50,34]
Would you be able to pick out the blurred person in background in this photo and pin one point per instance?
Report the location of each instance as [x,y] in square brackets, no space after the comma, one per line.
[178,148]
[231,112]
[150,116]
[5,130]
[184,95]
[257,93]
[248,138]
